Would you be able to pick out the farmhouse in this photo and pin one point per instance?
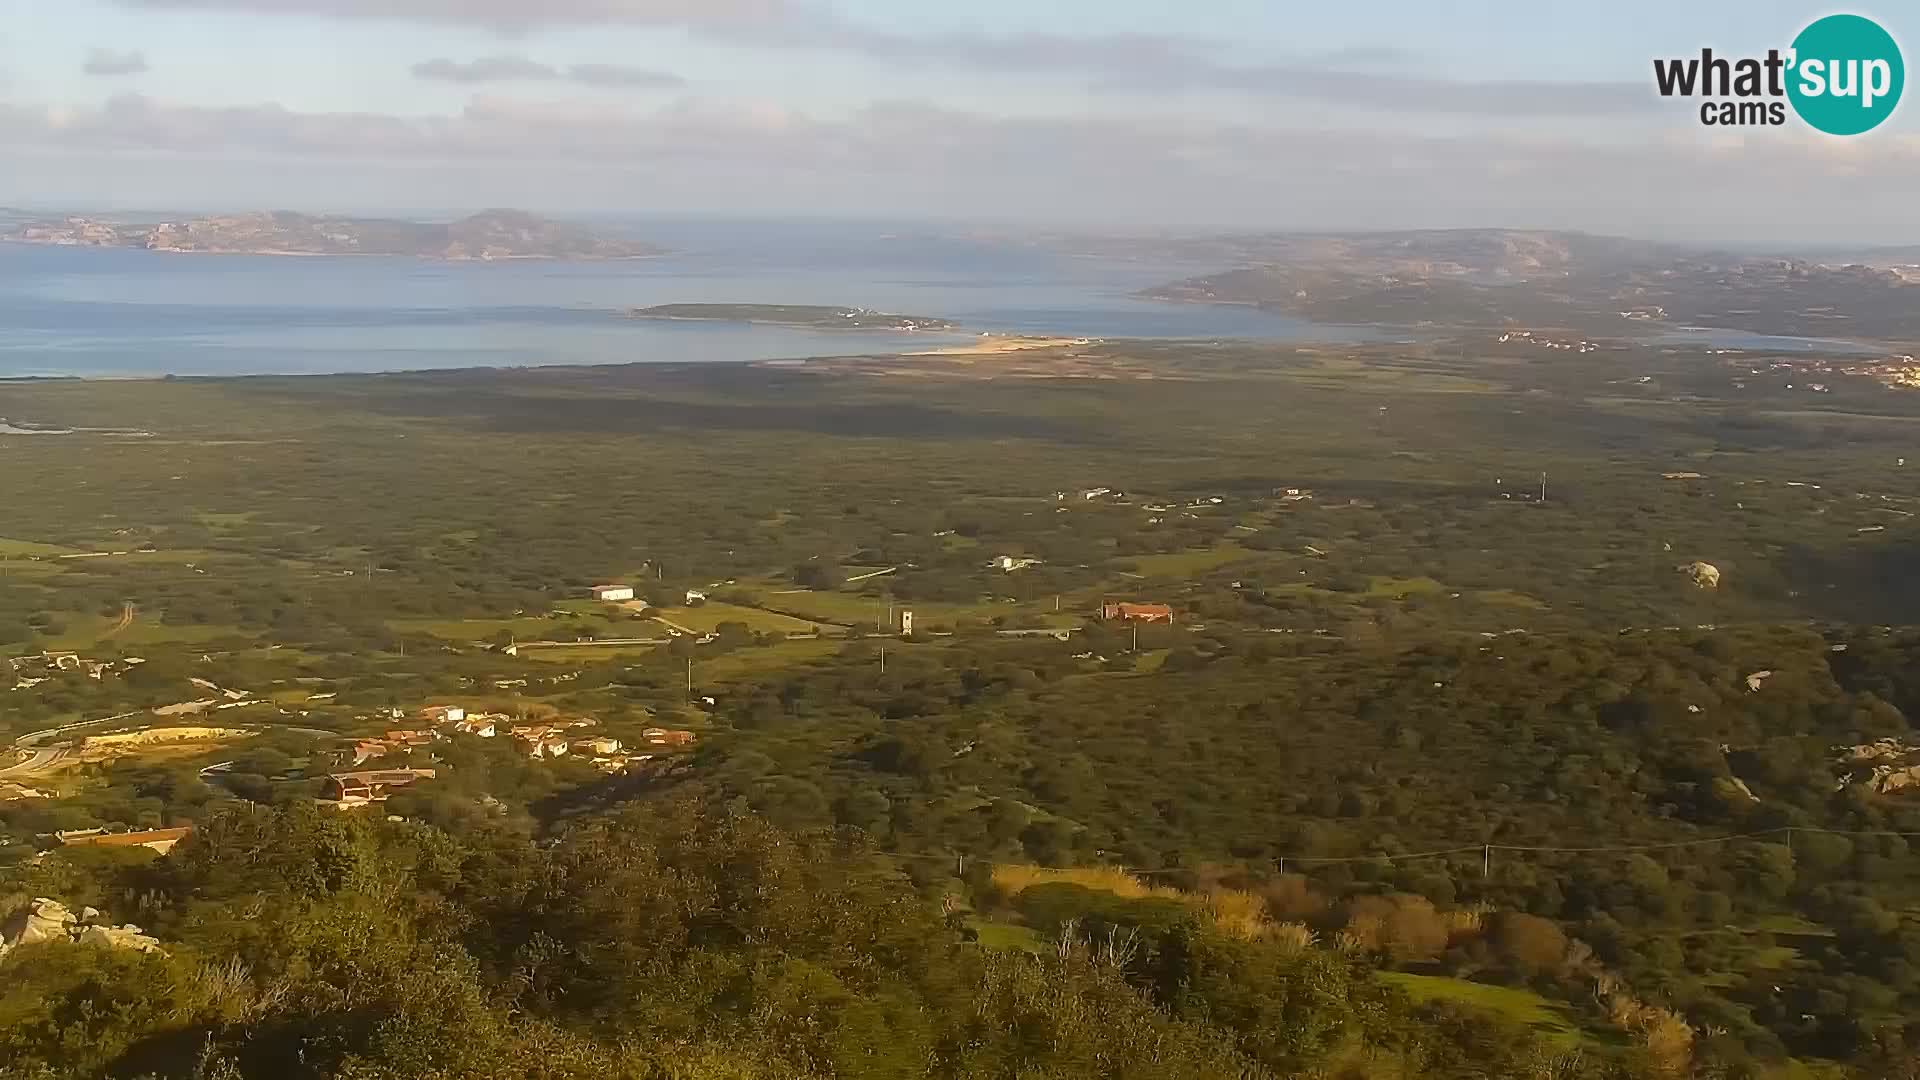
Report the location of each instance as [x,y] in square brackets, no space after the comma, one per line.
[612,593]
[481,725]
[666,737]
[374,785]
[1125,612]
[443,714]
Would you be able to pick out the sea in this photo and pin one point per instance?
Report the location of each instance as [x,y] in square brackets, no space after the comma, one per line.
[104,313]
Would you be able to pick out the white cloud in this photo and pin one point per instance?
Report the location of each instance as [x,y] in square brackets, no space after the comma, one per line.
[514,68]
[512,15]
[484,70]
[914,158]
[621,76]
[109,62]
[1144,63]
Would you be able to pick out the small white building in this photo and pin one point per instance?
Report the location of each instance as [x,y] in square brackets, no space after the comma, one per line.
[443,714]
[612,593]
[696,595]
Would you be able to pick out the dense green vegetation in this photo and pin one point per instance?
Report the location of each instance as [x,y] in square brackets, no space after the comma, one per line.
[1433,777]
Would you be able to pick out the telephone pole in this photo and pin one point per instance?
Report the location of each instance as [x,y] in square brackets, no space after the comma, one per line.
[1543,487]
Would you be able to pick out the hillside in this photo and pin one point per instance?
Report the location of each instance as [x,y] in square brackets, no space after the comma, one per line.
[1595,285]
[491,234]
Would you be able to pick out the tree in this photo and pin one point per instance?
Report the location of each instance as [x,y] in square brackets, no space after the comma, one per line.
[1527,944]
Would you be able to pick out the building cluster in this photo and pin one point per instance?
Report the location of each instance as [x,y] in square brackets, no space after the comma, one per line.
[1530,338]
[30,671]
[355,786]
[1893,371]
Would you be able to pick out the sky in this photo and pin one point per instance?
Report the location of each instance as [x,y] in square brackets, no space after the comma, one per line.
[1097,113]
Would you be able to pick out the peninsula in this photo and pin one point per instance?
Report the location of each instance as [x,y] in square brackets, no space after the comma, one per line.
[811,316]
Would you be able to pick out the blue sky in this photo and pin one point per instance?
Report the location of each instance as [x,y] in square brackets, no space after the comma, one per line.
[1118,112]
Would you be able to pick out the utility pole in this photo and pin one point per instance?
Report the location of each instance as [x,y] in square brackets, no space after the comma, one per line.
[883,659]
[1136,638]
[1543,487]
[689,678]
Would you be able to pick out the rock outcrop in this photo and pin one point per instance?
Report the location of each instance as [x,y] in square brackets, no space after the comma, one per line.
[44,919]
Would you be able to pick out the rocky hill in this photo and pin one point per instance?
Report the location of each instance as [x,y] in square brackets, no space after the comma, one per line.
[1481,277]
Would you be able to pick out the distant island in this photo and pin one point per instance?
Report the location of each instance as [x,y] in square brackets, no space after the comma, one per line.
[491,234]
[812,316]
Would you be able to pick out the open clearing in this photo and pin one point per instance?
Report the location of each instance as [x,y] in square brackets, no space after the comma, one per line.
[1549,1020]
[708,616]
[20,549]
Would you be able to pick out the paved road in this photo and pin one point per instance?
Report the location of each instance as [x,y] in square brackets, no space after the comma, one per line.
[39,761]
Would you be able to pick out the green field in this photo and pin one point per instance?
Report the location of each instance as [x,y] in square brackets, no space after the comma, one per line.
[20,549]
[759,660]
[86,630]
[524,628]
[1005,936]
[1187,564]
[710,615]
[1400,588]
[854,609]
[1546,1018]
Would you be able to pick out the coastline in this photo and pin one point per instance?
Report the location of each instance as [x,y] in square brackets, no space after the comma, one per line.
[275,253]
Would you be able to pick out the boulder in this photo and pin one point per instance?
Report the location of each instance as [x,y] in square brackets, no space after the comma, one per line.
[1704,575]
[119,937]
[40,920]
[50,920]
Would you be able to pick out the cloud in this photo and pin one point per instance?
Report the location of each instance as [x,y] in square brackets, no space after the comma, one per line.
[613,76]
[1144,63]
[108,62]
[516,16]
[485,70]
[912,158]
[508,68]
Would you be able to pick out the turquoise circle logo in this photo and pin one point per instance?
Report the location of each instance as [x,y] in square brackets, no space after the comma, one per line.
[1847,74]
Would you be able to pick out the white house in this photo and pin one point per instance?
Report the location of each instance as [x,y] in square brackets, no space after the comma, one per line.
[612,593]
[696,595]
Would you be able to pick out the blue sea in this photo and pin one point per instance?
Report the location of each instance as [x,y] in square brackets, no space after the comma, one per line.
[111,312]
[118,313]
